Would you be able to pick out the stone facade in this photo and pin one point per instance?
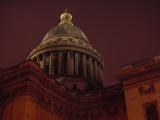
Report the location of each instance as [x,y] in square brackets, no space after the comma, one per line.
[141,86]
[27,93]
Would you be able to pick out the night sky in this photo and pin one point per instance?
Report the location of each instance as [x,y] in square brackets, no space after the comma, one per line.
[122,31]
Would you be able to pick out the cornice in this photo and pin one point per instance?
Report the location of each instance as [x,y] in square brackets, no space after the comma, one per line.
[141,71]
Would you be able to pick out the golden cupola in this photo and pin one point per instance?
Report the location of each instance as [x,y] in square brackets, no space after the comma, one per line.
[66,55]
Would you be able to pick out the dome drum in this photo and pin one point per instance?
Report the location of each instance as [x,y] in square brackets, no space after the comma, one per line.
[70,63]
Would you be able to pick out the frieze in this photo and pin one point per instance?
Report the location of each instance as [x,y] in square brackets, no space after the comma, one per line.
[60,48]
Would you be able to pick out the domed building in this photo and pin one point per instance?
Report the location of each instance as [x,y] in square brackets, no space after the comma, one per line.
[62,79]
[66,54]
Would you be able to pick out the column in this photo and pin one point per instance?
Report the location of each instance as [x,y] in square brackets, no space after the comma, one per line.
[59,63]
[84,65]
[91,67]
[72,62]
[76,63]
[51,68]
[68,63]
[64,63]
[38,60]
[100,72]
[96,69]
[44,61]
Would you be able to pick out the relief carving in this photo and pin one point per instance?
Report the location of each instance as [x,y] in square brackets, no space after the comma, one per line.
[147,89]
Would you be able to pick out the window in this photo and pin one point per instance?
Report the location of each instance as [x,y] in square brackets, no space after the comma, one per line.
[151,112]
[35,59]
[46,69]
[40,57]
[74,87]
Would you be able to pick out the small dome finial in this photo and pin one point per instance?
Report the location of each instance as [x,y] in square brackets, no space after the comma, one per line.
[66,18]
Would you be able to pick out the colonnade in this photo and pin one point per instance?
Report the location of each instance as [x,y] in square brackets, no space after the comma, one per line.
[70,63]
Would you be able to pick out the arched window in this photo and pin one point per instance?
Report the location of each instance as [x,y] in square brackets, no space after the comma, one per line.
[151,113]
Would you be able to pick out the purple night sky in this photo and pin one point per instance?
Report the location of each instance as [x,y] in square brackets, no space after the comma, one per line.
[122,31]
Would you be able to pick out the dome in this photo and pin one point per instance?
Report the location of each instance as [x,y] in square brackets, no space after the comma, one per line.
[66,54]
[66,30]
[66,27]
